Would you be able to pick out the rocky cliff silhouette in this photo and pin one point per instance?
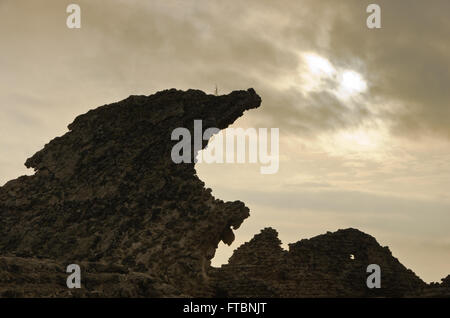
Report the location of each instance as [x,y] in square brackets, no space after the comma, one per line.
[107,196]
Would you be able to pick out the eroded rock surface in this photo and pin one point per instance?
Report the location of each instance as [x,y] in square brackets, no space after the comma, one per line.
[329,265]
[108,192]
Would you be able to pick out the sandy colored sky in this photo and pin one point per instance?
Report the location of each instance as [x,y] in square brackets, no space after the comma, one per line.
[363,114]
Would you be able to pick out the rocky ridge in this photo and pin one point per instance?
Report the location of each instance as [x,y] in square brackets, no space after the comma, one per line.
[328,265]
[107,196]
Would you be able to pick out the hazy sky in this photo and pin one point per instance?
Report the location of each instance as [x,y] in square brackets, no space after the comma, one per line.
[363,114]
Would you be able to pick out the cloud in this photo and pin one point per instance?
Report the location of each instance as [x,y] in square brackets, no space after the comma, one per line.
[391,137]
[134,46]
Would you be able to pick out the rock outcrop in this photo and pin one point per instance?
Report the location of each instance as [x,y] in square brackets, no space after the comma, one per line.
[108,197]
[108,192]
[329,265]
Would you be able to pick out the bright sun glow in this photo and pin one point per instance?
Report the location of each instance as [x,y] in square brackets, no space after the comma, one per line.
[319,65]
[318,74]
[321,75]
[353,82]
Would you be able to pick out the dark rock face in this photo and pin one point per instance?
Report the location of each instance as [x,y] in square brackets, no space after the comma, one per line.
[32,277]
[329,265]
[108,197]
[108,192]
[446,282]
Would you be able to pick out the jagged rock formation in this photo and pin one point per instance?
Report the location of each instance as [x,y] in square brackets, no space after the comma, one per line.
[446,282]
[329,265]
[107,196]
[108,192]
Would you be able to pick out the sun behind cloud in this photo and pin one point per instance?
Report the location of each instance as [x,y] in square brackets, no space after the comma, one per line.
[321,75]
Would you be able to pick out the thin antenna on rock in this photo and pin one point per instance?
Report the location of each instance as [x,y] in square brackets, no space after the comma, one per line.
[216,91]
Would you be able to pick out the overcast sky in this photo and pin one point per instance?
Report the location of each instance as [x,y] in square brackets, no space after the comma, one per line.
[363,114]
